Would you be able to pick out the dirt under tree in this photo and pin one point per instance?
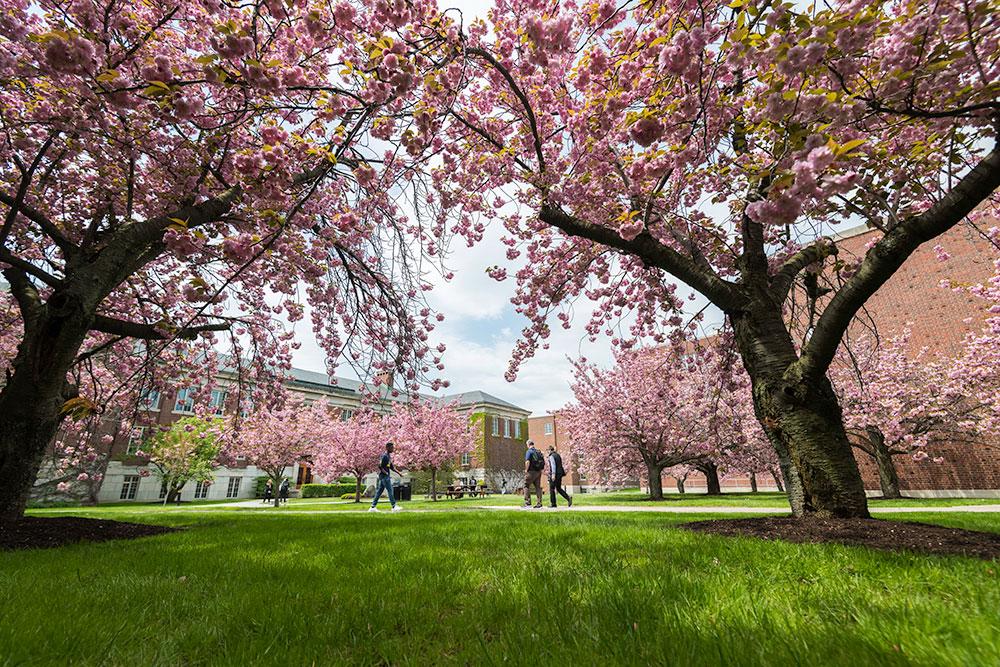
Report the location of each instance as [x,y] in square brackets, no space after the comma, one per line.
[33,532]
[872,533]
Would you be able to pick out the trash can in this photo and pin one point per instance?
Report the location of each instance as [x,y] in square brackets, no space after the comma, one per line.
[403,492]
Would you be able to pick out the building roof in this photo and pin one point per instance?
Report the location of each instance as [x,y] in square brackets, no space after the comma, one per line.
[473,397]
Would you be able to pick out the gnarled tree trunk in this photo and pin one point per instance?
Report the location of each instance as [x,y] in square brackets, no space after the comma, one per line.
[680,484]
[776,476]
[801,417]
[31,402]
[753,482]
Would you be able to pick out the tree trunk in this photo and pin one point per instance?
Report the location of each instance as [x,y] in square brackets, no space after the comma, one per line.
[801,417]
[357,488]
[776,476]
[434,484]
[888,478]
[655,473]
[753,482]
[711,472]
[680,485]
[32,399]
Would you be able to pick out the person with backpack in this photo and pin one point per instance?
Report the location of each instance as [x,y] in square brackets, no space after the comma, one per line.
[556,474]
[283,491]
[385,468]
[534,463]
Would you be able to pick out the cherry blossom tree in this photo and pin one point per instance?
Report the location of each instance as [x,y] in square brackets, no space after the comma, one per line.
[172,172]
[650,412]
[188,451]
[351,447]
[275,438]
[429,435]
[629,147]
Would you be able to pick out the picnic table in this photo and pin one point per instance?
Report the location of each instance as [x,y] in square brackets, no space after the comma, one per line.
[460,490]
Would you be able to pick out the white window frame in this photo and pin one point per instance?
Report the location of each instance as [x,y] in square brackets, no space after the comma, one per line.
[233,489]
[496,425]
[219,406]
[135,440]
[548,428]
[517,429]
[345,414]
[506,427]
[466,459]
[201,490]
[150,400]
[180,404]
[130,487]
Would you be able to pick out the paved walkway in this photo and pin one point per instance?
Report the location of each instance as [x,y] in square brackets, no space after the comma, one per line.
[675,509]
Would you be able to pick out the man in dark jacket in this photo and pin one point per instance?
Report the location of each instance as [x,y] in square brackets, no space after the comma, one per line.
[534,463]
[384,483]
[283,491]
[556,474]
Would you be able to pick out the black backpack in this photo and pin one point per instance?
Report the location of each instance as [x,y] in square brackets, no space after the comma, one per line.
[535,460]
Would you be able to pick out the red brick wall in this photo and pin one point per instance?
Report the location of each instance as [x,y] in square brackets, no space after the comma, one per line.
[936,317]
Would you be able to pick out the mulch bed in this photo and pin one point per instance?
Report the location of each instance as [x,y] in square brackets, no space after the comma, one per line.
[871,533]
[35,532]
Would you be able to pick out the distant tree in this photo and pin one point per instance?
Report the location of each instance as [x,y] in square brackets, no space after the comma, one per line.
[188,451]
[429,435]
[351,447]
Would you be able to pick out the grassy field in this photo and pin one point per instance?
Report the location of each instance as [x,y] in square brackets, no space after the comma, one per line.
[489,588]
[630,499]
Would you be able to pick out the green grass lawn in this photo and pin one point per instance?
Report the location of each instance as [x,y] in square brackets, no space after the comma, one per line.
[622,498]
[485,588]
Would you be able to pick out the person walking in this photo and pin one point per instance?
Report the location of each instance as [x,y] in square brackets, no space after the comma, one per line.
[385,468]
[534,463]
[283,491]
[268,491]
[556,474]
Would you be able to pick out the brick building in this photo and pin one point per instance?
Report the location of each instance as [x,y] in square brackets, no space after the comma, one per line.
[500,446]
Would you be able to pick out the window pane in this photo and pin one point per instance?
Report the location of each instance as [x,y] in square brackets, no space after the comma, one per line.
[185,400]
[218,401]
[150,399]
[496,425]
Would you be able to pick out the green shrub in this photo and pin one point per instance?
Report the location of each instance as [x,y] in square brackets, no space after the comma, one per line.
[325,490]
[348,496]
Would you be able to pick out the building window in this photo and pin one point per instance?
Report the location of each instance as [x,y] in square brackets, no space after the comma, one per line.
[496,425]
[517,429]
[233,490]
[185,400]
[135,440]
[548,428]
[201,490]
[130,486]
[346,414]
[150,399]
[218,401]
[506,428]
[466,459]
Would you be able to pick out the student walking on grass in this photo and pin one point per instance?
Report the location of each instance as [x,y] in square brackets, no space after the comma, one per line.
[556,474]
[283,491]
[385,468]
[534,463]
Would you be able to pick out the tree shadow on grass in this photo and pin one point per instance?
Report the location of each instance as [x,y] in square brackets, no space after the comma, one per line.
[473,588]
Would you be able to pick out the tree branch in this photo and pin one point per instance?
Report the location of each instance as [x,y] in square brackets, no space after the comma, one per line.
[783,279]
[721,293]
[882,261]
[145,331]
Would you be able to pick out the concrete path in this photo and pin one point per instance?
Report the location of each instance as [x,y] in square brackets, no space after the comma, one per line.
[676,509]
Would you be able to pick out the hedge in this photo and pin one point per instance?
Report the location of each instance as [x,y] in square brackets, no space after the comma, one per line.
[326,490]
